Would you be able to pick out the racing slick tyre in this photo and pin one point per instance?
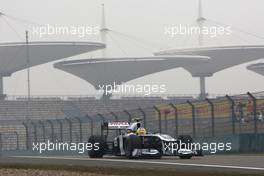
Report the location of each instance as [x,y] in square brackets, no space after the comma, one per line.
[199,152]
[160,150]
[185,156]
[158,155]
[185,141]
[132,142]
[99,146]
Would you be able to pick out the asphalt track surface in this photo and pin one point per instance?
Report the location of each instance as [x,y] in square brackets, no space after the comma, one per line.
[228,163]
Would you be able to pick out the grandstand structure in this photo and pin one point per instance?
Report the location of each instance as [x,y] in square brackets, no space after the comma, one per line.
[221,58]
[20,55]
[257,68]
[107,71]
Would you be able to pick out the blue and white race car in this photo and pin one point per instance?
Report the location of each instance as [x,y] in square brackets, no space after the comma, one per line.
[133,141]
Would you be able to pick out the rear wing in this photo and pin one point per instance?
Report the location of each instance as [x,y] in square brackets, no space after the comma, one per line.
[115,125]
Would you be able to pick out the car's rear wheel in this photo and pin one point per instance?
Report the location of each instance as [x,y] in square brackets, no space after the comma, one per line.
[99,146]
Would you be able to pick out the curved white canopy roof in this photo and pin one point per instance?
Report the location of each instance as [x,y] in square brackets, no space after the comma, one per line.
[221,57]
[257,68]
[109,70]
[13,55]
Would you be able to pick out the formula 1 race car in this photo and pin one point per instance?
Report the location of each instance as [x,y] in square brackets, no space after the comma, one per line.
[132,141]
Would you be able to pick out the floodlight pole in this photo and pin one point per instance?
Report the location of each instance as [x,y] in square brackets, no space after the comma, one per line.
[1,78]
[1,86]
[200,21]
[28,76]
[28,66]
[103,31]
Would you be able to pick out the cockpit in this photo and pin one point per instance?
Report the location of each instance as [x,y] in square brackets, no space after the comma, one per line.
[136,128]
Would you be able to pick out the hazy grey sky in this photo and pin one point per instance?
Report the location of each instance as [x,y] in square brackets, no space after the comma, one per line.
[144,19]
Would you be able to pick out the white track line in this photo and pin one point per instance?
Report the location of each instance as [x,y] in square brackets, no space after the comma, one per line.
[148,162]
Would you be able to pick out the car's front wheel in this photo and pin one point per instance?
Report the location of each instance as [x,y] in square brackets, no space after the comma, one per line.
[185,156]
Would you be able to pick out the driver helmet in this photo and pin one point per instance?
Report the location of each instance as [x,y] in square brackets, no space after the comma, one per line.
[141,131]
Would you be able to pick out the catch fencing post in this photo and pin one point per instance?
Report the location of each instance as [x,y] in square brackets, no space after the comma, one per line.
[27,135]
[232,113]
[61,128]
[43,130]
[176,119]
[159,114]
[70,128]
[116,119]
[52,129]
[80,128]
[193,118]
[212,115]
[103,119]
[77,137]
[144,116]
[1,144]
[166,112]
[91,122]
[254,112]
[35,131]
[17,140]
[129,116]
[115,116]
